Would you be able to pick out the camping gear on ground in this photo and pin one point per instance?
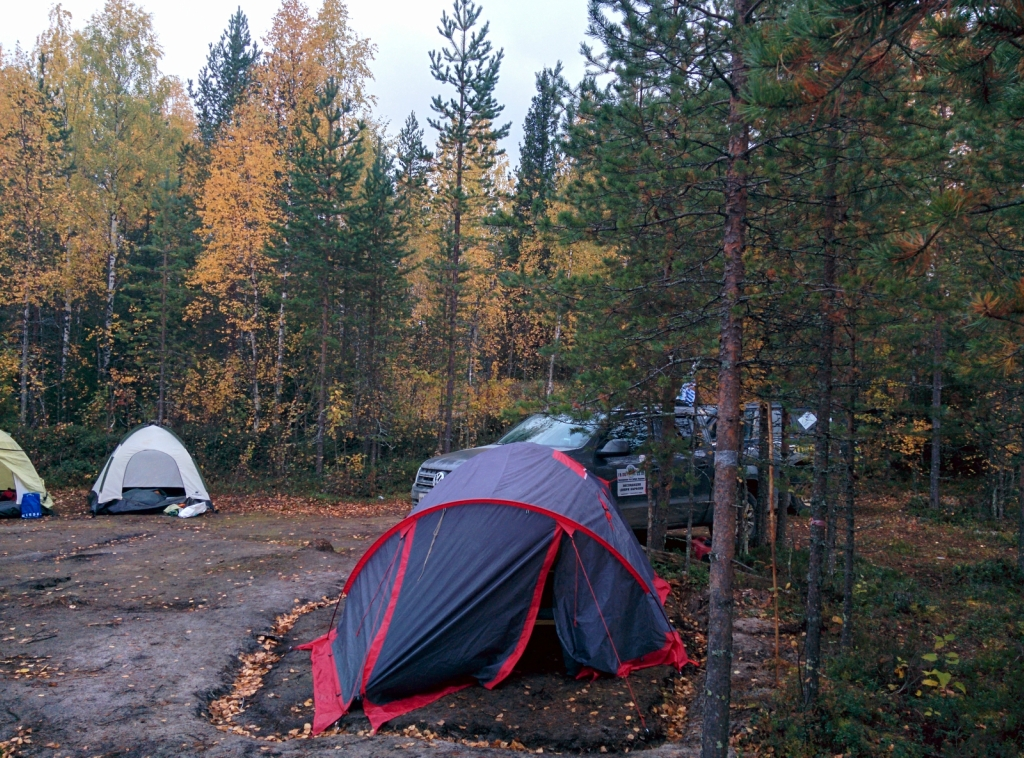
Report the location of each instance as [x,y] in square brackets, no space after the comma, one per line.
[18,474]
[149,470]
[172,510]
[450,595]
[30,505]
[700,548]
[198,509]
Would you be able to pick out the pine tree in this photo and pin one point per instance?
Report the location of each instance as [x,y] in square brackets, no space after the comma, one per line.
[380,223]
[157,336]
[413,157]
[228,73]
[541,152]
[467,143]
[325,166]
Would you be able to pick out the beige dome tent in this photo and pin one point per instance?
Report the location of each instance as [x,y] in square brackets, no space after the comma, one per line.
[18,475]
[150,470]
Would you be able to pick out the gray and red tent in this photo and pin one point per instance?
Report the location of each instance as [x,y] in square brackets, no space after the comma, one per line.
[450,596]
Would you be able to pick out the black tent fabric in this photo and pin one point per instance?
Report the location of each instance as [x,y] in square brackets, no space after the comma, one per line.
[450,595]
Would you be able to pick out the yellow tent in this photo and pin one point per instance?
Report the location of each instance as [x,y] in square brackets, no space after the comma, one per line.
[17,473]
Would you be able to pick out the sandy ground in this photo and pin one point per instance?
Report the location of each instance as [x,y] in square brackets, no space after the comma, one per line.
[119,632]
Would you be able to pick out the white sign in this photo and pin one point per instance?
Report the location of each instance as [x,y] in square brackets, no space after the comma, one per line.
[631,481]
[807,420]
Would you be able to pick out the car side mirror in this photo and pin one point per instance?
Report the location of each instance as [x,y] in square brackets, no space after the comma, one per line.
[614,447]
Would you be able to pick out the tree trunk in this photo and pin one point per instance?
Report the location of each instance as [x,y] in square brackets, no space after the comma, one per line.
[254,353]
[691,481]
[41,417]
[23,410]
[933,493]
[822,440]
[279,358]
[657,514]
[550,387]
[470,373]
[773,500]
[371,415]
[785,497]
[850,450]
[321,416]
[65,353]
[254,349]
[763,505]
[108,316]
[163,343]
[453,298]
[718,679]
[1020,523]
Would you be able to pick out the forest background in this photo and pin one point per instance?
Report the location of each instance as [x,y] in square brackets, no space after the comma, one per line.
[251,259]
[810,202]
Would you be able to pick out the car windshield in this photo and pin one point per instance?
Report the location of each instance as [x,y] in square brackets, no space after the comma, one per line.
[553,431]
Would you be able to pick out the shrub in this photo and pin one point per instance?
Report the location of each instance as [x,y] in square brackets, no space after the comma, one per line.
[67,455]
[997,571]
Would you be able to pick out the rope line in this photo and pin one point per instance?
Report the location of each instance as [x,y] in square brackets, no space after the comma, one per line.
[579,561]
[387,573]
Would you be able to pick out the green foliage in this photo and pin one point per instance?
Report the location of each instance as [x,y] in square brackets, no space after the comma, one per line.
[926,676]
[228,73]
[696,579]
[999,572]
[68,455]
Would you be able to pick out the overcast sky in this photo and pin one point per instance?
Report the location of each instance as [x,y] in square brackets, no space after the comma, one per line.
[534,33]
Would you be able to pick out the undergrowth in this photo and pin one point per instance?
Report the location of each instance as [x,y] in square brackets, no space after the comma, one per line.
[936,669]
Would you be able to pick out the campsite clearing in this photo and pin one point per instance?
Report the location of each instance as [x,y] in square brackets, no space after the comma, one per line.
[119,632]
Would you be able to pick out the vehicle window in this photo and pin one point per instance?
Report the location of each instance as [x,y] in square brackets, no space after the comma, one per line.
[684,425]
[553,431]
[634,430]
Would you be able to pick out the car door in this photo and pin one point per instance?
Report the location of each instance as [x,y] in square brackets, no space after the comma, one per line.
[614,459]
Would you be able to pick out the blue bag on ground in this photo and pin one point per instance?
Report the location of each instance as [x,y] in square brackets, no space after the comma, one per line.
[30,505]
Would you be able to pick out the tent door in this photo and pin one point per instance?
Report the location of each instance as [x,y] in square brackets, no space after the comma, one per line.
[543,652]
[20,488]
[150,469]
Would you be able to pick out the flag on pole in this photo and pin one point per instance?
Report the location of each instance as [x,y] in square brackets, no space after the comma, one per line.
[687,394]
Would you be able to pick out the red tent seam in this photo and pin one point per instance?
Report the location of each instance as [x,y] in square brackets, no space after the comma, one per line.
[672,653]
[379,714]
[572,465]
[567,524]
[531,614]
[378,641]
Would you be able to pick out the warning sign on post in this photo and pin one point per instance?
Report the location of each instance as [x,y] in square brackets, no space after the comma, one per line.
[807,420]
[632,481]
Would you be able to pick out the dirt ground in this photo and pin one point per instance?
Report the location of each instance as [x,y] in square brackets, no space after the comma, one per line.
[121,635]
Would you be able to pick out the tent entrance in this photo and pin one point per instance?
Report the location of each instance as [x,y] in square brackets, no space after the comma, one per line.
[152,469]
[543,653]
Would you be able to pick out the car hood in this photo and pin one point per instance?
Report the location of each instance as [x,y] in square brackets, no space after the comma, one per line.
[451,461]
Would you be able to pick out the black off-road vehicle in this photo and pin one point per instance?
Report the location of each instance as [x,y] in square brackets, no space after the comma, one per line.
[610,451]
